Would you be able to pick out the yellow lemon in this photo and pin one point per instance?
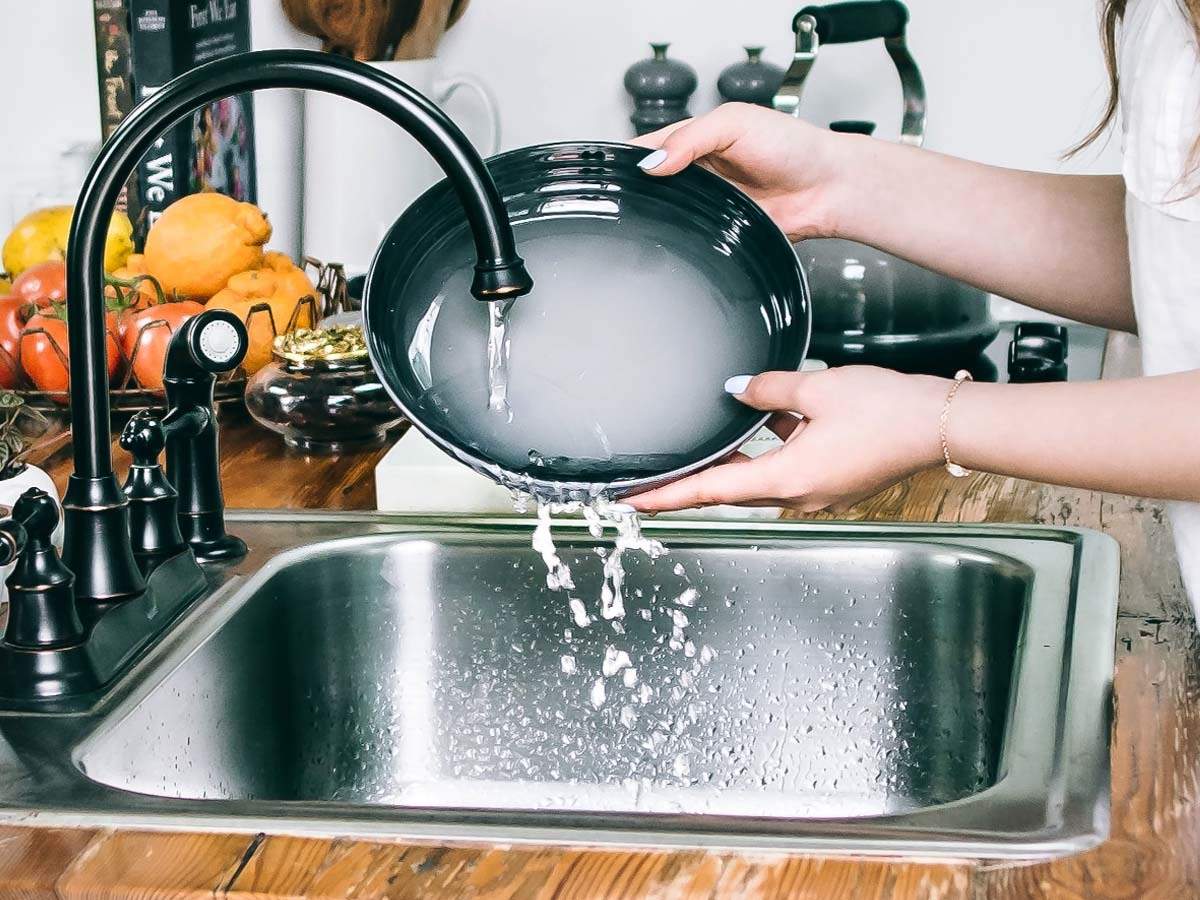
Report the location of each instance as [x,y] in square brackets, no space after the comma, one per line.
[42,236]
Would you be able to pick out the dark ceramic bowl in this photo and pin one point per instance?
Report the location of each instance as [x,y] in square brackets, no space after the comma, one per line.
[648,294]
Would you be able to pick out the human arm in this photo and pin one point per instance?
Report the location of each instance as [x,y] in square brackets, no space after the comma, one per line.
[1056,242]
[867,428]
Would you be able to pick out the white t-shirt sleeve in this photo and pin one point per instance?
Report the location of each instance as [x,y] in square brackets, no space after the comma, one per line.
[1159,65]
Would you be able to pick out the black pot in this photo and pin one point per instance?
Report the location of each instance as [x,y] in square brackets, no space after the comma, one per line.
[873,308]
[869,306]
[674,284]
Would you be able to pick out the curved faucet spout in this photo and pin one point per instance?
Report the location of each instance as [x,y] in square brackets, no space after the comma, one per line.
[94,505]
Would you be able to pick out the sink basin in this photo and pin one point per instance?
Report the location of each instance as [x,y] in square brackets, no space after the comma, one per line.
[811,680]
[861,688]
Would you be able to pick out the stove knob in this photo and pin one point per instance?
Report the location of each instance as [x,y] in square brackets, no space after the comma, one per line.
[1048,330]
[1038,353]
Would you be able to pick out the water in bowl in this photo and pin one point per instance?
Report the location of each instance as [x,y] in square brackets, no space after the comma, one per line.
[612,367]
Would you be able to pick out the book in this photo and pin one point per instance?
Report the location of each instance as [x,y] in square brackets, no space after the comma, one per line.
[115,78]
[212,149]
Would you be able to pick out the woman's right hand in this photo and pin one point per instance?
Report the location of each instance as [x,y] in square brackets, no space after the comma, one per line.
[790,168]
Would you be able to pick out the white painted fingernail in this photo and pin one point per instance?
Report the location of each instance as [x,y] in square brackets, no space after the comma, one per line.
[653,161]
[738,384]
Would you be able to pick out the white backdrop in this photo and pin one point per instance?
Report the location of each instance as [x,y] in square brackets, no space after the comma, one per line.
[999,89]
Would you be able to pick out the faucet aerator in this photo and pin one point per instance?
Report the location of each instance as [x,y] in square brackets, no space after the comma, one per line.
[500,281]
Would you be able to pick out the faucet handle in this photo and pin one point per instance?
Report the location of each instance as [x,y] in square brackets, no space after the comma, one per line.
[41,595]
[13,538]
[153,502]
[143,438]
[38,512]
[33,520]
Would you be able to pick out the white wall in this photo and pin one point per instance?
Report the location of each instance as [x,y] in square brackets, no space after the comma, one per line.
[48,98]
[999,89]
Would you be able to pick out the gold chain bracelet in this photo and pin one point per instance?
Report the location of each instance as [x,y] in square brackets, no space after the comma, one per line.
[957,471]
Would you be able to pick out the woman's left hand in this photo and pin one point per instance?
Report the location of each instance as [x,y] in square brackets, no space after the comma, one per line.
[864,429]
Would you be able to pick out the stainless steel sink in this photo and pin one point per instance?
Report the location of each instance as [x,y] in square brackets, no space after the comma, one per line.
[861,688]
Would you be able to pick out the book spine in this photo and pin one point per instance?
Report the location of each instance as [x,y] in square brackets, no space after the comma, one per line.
[222,134]
[115,78]
[163,172]
[212,149]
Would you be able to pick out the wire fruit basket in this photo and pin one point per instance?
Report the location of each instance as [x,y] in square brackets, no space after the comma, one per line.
[128,395]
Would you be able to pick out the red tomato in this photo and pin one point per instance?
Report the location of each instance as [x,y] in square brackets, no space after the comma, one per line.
[13,311]
[44,283]
[147,334]
[45,354]
[133,299]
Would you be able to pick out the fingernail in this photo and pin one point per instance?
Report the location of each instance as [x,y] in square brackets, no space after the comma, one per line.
[653,161]
[738,384]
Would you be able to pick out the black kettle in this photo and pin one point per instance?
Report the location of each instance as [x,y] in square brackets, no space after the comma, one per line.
[870,306]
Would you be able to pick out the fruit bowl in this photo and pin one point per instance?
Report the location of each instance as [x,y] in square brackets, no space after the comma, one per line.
[142,352]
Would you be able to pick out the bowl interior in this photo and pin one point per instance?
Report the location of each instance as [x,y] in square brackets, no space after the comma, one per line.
[648,294]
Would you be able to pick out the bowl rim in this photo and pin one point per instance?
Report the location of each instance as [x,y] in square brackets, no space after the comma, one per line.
[567,489]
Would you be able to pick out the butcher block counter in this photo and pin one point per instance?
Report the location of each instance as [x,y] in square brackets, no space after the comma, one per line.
[1153,850]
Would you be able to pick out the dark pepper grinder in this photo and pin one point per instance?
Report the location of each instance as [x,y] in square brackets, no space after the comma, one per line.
[660,88]
[41,598]
[754,80]
[213,341]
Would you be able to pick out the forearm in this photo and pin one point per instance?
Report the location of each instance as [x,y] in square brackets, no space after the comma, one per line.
[1056,242]
[1133,436]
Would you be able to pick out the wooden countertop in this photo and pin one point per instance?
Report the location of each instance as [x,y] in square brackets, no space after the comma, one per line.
[1153,852]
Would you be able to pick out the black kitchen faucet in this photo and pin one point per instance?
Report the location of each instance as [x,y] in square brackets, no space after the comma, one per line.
[98,550]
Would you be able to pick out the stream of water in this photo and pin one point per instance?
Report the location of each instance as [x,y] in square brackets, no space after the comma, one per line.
[498,348]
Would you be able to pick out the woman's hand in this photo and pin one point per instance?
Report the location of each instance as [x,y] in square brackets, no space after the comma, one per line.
[863,430]
[790,168]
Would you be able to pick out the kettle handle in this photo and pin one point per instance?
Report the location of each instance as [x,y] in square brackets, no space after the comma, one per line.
[857,20]
[853,126]
[847,23]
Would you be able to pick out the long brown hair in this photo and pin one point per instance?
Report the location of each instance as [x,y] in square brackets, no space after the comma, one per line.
[1111,14]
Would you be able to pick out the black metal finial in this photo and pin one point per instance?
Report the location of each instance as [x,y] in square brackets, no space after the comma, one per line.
[41,602]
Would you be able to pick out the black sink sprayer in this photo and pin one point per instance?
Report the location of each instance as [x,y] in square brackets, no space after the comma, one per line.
[129,564]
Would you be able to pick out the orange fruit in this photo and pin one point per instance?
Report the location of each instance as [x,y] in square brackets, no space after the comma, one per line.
[202,240]
[280,286]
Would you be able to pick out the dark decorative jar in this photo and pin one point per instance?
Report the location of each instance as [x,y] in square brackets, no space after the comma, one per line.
[751,81]
[321,393]
[660,88]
